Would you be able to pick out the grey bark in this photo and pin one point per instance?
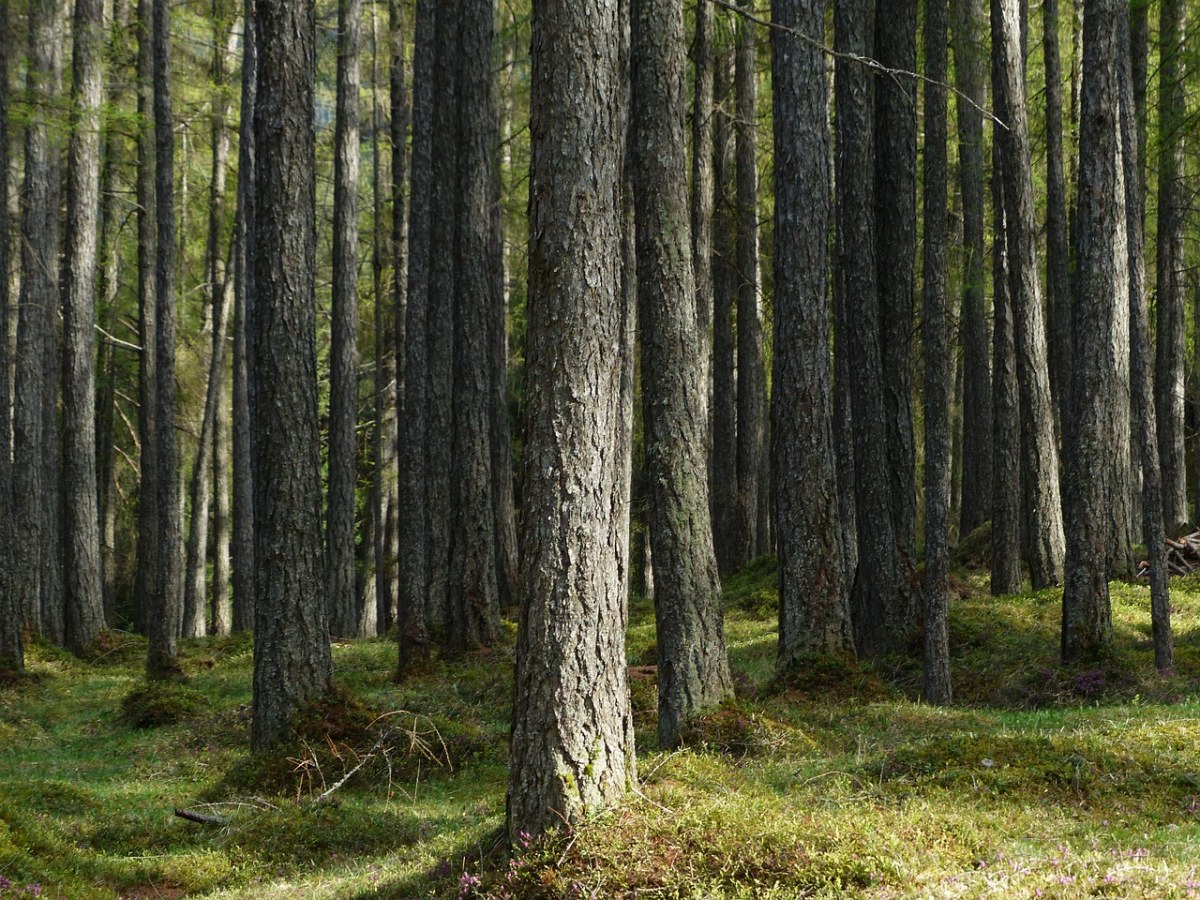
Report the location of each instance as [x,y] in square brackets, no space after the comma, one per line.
[976,503]
[703,148]
[693,671]
[413,630]
[81,513]
[1039,450]
[341,595]
[751,376]
[1103,289]
[473,590]
[1170,352]
[1058,254]
[572,734]
[167,605]
[814,597]
[243,298]
[292,663]
[937,365]
[896,253]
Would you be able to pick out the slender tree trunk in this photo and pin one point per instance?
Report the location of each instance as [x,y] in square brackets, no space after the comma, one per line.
[243,398]
[814,597]
[1039,451]
[703,148]
[1170,319]
[291,650]
[937,365]
[167,611]
[976,503]
[81,513]
[895,255]
[1058,254]
[341,594]
[693,671]
[572,738]
[414,580]
[1104,286]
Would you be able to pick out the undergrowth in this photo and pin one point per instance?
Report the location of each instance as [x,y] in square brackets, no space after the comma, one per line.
[831,781]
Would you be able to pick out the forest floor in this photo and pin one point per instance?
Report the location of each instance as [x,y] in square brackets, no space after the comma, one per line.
[1038,782]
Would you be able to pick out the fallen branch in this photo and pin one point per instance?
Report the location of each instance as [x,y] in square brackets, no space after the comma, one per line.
[201,818]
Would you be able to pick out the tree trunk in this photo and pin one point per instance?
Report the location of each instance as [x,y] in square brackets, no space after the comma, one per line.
[751,377]
[976,503]
[1039,451]
[572,734]
[413,613]
[167,612]
[1104,286]
[895,255]
[81,519]
[937,365]
[814,598]
[291,650]
[1169,282]
[703,148]
[693,671]
[1058,253]
[243,298]
[341,593]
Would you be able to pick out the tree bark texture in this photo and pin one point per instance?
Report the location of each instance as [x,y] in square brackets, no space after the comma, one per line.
[976,502]
[1170,352]
[343,356]
[1104,285]
[1039,450]
[291,649]
[703,148]
[693,671]
[81,513]
[1058,253]
[572,734]
[814,598]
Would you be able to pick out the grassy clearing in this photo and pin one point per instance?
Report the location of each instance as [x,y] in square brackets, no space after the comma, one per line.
[1040,782]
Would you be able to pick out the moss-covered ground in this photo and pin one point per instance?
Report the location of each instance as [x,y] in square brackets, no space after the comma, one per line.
[1038,782]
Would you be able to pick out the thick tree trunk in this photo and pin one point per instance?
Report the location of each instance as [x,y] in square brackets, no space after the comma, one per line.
[81,519]
[814,597]
[895,255]
[413,612]
[341,594]
[243,298]
[937,365]
[693,671]
[167,612]
[1170,352]
[751,377]
[1103,287]
[1039,450]
[1058,253]
[572,738]
[976,502]
[473,599]
[291,649]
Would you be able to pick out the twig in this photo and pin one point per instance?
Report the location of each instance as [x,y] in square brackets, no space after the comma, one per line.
[370,754]
[201,818]
[855,57]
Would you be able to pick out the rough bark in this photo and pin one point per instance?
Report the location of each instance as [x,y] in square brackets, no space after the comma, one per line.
[896,253]
[572,735]
[1039,451]
[243,298]
[1058,254]
[1103,287]
[291,649]
[81,513]
[1170,352]
[937,365]
[703,117]
[167,605]
[751,376]
[693,671]
[341,594]
[976,503]
[413,615]
[814,597]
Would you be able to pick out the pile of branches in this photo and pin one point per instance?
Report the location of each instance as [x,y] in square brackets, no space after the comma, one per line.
[1183,556]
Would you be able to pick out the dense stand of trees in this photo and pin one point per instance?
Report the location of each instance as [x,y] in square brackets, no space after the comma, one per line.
[419,411]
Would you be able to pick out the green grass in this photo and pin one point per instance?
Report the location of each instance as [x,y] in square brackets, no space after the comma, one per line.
[837,782]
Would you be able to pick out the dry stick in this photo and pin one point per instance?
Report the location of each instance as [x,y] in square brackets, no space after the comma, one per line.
[201,818]
[370,754]
[867,61]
